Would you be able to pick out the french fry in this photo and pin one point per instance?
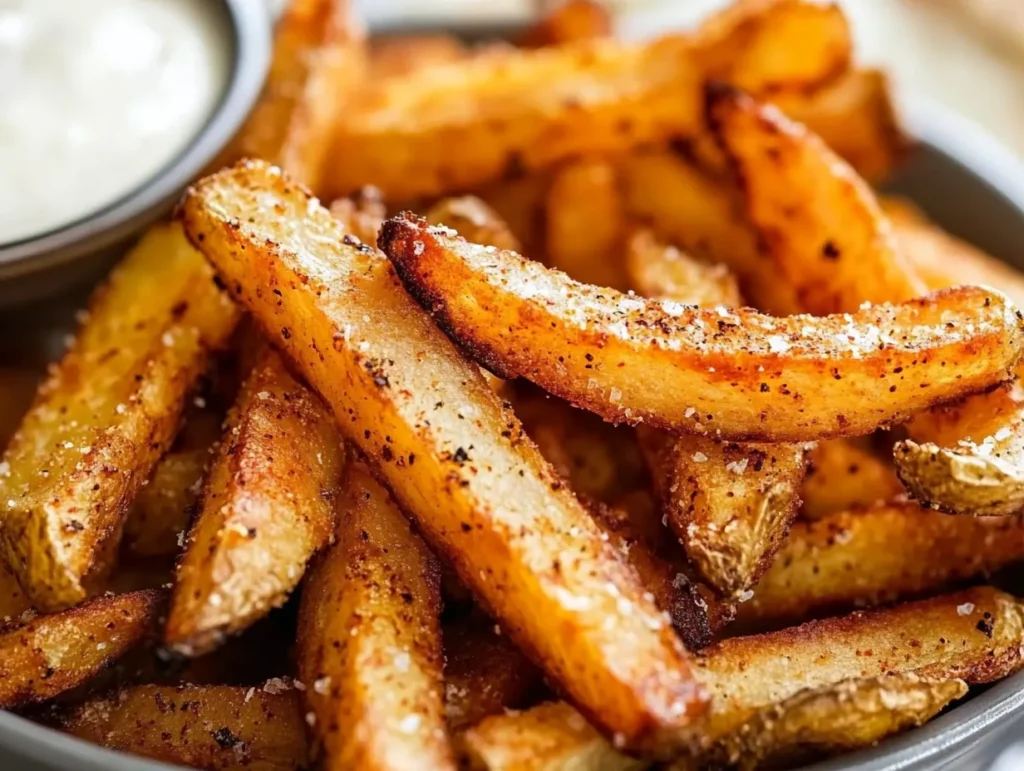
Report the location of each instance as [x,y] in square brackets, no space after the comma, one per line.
[205,726]
[363,213]
[474,219]
[733,374]
[453,128]
[13,601]
[393,56]
[162,510]
[848,560]
[369,644]
[658,270]
[479,490]
[51,654]
[973,636]
[844,475]
[106,414]
[586,224]
[520,203]
[484,674]
[572,21]
[267,508]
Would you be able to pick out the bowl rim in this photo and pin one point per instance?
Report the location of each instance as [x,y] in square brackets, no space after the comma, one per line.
[248,25]
[944,739]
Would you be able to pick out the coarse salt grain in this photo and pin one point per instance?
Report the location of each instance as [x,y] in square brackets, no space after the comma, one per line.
[966,609]
[409,724]
[699,457]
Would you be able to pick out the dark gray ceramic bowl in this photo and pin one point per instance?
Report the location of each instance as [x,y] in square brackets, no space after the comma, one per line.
[970,185]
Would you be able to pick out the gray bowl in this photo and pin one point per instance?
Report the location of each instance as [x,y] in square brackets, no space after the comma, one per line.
[82,250]
[969,184]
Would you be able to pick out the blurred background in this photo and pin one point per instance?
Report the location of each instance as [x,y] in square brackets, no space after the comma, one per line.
[967,55]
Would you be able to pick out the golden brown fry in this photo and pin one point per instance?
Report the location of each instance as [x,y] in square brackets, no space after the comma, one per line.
[268,506]
[394,56]
[16,390]
[363,213]
[845,475]
[572,21]
[162,509]
[973,635]
[52,654]
[861,558]
[319,59]
[474,219]
[484,674]
[369,645]
[520,203]
[452,128]
[660,271]
[735,374]
[106,414]
[818,222]
[549,737]
[205,726]
[586,224]
[13,601]
[477,487]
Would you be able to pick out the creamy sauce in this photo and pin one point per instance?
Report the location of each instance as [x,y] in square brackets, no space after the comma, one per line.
[96,96]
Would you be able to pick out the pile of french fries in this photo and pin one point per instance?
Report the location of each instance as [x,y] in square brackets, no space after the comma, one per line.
[349,486]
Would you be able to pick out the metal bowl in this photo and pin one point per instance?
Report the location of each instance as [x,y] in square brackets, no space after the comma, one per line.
[82,250]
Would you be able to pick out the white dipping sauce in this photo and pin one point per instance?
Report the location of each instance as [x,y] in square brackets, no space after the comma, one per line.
[96,96]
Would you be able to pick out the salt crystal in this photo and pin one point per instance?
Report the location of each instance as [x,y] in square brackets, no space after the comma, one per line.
[402,662]
[699,457]
[409,724]
[966,609]
[322,685]
[737,466]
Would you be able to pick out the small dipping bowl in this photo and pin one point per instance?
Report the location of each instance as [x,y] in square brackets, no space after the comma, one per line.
[80,251]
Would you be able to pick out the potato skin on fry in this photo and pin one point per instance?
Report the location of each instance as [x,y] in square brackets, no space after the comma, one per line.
[106,414]
[267,508]
[455,458]
[205,726]
[735,374]
[52,654]
[369,644]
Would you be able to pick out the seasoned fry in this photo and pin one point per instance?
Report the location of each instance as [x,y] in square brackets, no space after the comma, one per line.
[818,222]
[267,508]
[520,203]
[452,128]
[52,654]
[363,213]
[973,635]
[861,558]
[393,56]
[844,475]
[549,737]
[586,224]
[572,21]
[106,414]
[319,60]
[163,509]
[205,726]
[657,270]
[484,674]
[736,374]
[369,646]
[478,489]
[474,219]
[13,601]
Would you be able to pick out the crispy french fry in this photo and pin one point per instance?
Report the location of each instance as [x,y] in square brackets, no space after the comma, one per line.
[586,224]
[658,270]
[570,22]
[52,654]
[818,222]
[267,508]
[205,726]
[849,560]
[735,374]
[363,213]
[475,220]
[106,414]
[393,56]
[484,674]
[452,128]
[549,737]
[477,487]
[369,646]
[844,475]
[973,635]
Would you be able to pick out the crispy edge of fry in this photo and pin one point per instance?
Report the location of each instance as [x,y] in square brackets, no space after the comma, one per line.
[734,374]
[658,270]
[974,635]
[817,221]
[209,726]
[844,475]
[848,559]
[52,654]
[484,673]
[474,219]
[105,414]
[570,22]
[548,737]
[369,643]
[268,507]
[525,551]
[586,223]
